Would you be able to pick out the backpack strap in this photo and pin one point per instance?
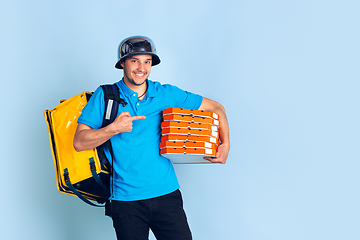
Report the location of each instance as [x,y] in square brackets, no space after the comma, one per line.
[73,189]
[112,102]
[94,174]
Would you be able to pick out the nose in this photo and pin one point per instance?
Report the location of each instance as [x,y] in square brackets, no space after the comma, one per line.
[141,66]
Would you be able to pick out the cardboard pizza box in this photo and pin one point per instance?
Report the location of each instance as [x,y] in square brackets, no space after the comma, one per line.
[179,144]
[192,119]
[204,151]
[185,131]
[186,158]
[189,125]
[192,138]
[188,155]
[191,112]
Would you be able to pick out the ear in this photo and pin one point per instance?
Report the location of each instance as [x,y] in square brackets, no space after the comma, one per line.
[122,64]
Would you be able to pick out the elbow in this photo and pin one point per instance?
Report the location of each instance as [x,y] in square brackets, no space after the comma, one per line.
[218,108]
[77,145]
[211,105]
[221,107]
[79,142]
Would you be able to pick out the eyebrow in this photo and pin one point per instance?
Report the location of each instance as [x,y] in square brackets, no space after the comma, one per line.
[133,57]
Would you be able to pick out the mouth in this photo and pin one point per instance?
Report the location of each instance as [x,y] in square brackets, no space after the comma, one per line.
[140,74]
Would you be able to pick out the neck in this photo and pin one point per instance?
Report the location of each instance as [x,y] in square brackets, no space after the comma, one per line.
[140,89]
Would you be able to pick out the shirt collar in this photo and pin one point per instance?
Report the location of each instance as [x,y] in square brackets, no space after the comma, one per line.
[124,89]
[151,91]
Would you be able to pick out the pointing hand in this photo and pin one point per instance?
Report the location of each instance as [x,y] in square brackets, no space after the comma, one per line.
[123,122]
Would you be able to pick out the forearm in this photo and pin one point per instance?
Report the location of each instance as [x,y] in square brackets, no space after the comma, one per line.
[224,125]
[88,138]
[224,148]
[213,106]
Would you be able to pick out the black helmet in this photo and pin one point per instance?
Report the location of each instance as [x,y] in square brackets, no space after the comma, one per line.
[136,45]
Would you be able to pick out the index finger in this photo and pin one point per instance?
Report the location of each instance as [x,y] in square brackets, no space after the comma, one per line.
[136,118]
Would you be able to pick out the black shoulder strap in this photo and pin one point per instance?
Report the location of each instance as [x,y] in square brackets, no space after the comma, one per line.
[112,101]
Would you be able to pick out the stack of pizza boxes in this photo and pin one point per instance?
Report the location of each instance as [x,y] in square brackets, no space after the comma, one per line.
[189,135]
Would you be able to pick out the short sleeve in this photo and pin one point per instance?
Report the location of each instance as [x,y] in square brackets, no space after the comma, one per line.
[185,99]
[93,112]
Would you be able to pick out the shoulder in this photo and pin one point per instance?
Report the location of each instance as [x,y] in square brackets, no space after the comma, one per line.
[158,89]
[157,85]
[99,93]
[92,113]
[97,97]
[165,86]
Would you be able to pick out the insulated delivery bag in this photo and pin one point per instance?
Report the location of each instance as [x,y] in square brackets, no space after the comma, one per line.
[85,174]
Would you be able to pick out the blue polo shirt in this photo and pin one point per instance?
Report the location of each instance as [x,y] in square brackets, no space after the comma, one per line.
[140,172]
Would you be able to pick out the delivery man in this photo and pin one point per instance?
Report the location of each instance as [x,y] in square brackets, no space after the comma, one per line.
[145,190]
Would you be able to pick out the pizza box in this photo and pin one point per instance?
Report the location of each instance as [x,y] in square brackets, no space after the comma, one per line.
[189,125]
[185,131]
[179,144]
[204,151]
[191,112]
[192,119]
[187,155]
[190,138]
[186,158]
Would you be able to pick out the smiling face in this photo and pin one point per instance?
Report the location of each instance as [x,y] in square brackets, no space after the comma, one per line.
[136,69]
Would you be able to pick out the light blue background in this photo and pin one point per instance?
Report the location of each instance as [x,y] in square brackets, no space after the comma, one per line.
[287,73]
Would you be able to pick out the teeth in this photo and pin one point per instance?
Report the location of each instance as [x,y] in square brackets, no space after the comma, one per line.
[140,75]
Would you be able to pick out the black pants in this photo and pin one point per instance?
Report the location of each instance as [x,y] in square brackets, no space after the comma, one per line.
[164,215]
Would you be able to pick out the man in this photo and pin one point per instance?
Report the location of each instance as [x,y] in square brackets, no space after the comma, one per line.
[145,193]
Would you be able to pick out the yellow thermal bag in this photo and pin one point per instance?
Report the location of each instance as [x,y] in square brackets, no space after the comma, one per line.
[85,174]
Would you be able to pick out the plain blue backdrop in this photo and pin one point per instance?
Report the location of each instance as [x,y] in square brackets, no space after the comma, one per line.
[287,73]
